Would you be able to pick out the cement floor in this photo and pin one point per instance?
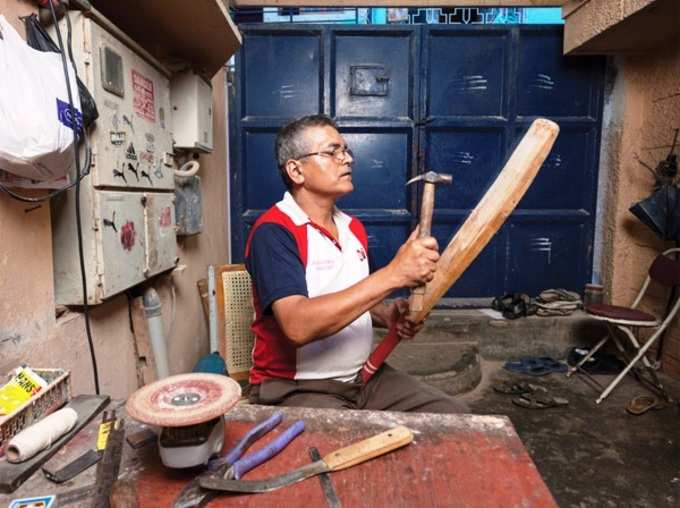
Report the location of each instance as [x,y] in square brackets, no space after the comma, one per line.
[594,455]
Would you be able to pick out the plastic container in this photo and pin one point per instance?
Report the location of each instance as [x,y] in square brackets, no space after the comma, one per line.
[593,294]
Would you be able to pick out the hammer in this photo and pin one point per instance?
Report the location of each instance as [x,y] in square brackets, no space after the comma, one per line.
[378,356]
[426,209]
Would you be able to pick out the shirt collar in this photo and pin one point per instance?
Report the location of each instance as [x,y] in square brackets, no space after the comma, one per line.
[289,206]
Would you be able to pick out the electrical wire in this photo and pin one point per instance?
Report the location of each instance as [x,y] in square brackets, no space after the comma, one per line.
[79,227]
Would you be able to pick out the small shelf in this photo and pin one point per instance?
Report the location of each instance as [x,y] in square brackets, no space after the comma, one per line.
[200,32]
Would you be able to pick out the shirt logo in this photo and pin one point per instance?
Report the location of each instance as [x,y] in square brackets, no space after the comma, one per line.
[362,254]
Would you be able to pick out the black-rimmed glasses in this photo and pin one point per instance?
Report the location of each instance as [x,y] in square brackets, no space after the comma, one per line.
[339,154]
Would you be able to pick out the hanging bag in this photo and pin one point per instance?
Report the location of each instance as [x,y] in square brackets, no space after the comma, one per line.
[36,136]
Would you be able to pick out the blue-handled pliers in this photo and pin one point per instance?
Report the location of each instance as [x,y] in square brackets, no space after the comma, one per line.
[238,465]
[232,466]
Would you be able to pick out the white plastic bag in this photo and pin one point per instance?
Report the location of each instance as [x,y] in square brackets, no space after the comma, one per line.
[35,122]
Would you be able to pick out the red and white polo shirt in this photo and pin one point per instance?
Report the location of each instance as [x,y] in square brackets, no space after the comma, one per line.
[288,254]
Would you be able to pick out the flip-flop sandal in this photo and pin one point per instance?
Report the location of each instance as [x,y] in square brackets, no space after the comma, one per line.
[527,367]
[517,387]
[539,401]
[552,364]
[641,404]
[535,365]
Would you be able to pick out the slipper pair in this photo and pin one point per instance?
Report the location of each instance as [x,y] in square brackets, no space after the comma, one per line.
[539,401]
[517,387]
[535,365]
[531,396]
[514,305]
[557,302]
[643,403]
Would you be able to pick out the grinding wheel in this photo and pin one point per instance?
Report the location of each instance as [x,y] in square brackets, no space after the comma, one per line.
[182,400]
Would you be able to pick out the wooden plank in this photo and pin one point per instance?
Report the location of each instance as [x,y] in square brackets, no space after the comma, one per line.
[200,32]
[146,363]
[393,3]
[87,407]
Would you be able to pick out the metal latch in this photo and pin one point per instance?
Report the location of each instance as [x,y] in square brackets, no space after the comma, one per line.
[369,80]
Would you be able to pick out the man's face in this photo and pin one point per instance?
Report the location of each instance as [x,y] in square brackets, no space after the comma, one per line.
[328,171]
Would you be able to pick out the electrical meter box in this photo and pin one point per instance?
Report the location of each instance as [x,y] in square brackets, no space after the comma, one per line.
[127,201]
[191,98]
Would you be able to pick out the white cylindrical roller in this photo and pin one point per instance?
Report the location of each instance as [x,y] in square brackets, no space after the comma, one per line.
[40,435]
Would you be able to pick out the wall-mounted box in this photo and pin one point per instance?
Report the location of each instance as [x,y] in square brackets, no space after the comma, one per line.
[189,206]
[191,101]
[127,200]
[127,237]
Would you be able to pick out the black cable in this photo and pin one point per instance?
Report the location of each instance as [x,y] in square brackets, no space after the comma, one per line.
[79,228]
[46,197]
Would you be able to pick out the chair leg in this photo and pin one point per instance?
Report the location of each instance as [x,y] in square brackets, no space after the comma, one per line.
[631,336]
[617,380]
[587,357]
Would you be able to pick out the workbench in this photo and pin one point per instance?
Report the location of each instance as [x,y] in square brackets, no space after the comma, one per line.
[454,460]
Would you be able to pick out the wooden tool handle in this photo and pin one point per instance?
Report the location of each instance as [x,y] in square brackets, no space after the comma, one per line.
[415,301]
[426,210]
[368,448]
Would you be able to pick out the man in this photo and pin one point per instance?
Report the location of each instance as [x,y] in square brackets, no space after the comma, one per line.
[315,301]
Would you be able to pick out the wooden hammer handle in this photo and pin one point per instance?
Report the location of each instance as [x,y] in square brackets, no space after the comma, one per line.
[415,301]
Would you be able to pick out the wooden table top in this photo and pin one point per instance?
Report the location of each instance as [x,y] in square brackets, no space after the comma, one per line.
[454,460]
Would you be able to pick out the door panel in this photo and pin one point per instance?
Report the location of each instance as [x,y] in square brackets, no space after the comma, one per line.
[425,97]
[472,156]
[539,253]
[462,81]
[380,170]
[372,75]
[296,86]
[550,84]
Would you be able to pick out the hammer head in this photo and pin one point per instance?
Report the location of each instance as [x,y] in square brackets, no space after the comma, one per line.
[432,177]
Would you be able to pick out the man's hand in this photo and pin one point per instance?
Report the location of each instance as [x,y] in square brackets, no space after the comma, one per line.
[406,329]
[415,262]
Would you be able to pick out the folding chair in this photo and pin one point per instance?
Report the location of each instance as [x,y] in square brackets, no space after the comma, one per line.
[628,320]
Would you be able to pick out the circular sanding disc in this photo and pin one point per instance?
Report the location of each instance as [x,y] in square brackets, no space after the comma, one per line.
[185,399]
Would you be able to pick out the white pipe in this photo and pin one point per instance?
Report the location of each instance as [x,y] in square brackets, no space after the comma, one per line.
[154,318]
[188,169]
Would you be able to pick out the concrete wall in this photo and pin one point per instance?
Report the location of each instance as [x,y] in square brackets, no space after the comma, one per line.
[642,112]
[29,330]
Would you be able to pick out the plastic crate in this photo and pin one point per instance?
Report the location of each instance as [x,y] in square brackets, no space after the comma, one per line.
[49,399]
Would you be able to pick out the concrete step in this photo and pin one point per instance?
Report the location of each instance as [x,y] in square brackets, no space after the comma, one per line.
[447,353]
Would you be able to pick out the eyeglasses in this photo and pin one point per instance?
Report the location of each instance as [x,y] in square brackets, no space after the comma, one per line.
[339,154]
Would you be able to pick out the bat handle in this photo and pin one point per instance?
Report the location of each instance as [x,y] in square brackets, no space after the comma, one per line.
[378,357]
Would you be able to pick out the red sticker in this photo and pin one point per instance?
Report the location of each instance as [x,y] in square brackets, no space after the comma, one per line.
[146,157]
[127,235]
[166,217]
[143,99]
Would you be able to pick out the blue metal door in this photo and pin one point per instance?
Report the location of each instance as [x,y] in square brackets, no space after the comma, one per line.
[454,99]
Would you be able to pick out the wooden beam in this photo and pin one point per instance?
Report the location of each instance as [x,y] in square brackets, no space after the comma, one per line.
[398,3]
